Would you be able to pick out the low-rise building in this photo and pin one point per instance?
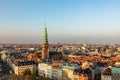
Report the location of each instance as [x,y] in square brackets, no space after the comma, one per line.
[33,56]
[116,71]
[100,67]
[46,69]
[21,66]
[106,74]
[56,73]
[4,56]
[83,73]
[68,69]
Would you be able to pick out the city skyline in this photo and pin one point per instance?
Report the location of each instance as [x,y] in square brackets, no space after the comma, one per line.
[68,21]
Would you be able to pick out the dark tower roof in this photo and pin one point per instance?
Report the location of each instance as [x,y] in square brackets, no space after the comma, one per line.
[107,71]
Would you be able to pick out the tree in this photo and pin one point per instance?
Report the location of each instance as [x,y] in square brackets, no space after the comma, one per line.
[27,72]
[14,77]
[34,75]
[34,72]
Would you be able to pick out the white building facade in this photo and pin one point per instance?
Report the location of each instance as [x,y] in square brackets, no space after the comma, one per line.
[45,69]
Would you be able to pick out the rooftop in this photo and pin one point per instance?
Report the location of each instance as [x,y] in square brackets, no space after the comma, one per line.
[107,71]
[82,71]
[23,63]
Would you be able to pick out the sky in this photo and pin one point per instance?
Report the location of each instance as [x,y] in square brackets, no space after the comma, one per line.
[67,21]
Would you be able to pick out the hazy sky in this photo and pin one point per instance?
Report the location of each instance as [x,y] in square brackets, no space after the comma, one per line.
[68,21]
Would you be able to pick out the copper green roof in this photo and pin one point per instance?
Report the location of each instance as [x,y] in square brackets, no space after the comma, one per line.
[69,66]
[45,39]
[116,70]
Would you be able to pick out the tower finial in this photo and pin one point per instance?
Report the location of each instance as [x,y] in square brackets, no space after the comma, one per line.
[45,24]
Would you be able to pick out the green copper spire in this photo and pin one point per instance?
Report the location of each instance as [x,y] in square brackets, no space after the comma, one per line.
[45,39]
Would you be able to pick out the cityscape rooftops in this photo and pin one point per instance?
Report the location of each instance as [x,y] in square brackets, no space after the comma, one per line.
[102,64]
[117,65]
[82,71]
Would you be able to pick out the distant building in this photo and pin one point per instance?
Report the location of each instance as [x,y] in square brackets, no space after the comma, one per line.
[67,70]
[21,66]
[44,69]
[105,54]
[33,56]
[118,49]
[82,74]
[111,73]
[106,74]
[116,71]
[4,56]
[67,73]
[100,67]
[93,53]
[57,70]
[56,73]
[45,45]
[1,46]
[85,44]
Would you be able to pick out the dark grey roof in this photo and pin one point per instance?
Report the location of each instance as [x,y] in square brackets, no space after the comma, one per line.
[22,63]
[82,71]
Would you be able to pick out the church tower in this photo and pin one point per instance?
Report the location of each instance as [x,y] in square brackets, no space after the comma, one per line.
[45,45]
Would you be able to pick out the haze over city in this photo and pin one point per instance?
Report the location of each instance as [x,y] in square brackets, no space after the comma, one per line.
[68,21]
